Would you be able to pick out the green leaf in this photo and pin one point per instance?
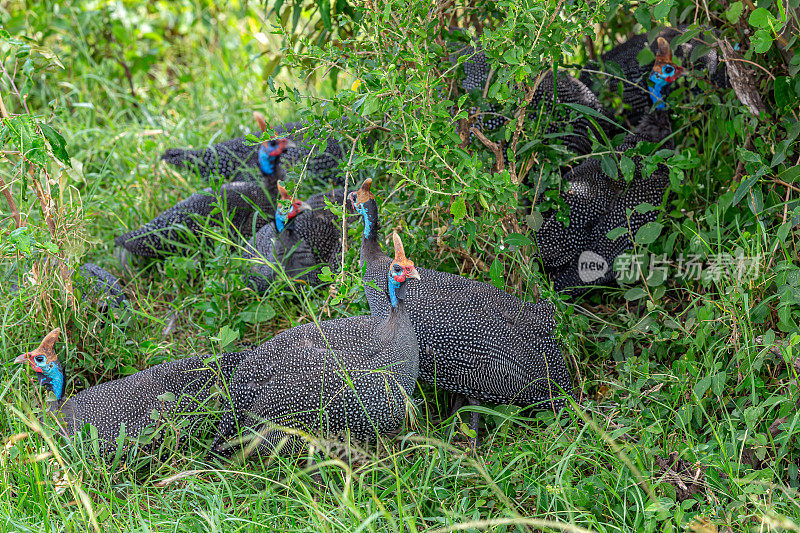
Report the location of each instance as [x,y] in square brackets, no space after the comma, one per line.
[609,166]
[226,337]
[535,220]
[57,144]
[790,174]
[458,209]
[635,293]
[497,274]
[518,239]
[662,9]
[755,200]
[616,233]
[642,15]
[702,386]
[645,56]
[761,18]
[166,397]
[752,416]
[743,188]
[718,383]
[258,312]
[761,40]
[734,11]
[628,167]
[644,207]
[648,233]
[784,93]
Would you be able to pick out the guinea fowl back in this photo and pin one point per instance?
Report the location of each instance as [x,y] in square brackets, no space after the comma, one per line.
[238,209]
[474,339]
[174,394]
[237,160]
[312,239]
[349,375]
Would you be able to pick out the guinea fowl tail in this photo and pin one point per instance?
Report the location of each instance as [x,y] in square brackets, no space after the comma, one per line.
[179,157]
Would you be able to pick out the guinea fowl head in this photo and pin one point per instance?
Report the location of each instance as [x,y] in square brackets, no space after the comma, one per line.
[288,208]
[44,361]
[270,151]
[363,202]
[664,72]
[400,270]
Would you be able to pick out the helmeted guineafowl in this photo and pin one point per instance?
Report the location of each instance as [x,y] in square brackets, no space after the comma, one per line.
[305,235]
[623,59]
[246,204]
[345,375]
[580,255]
[474,339]
[235,160]
[168,393]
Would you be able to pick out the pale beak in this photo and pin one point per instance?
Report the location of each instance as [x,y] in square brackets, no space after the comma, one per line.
[289,144]
[22,358]
[303,207]
[414,274]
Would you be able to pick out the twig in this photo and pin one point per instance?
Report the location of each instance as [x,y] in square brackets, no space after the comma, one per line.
[499,164]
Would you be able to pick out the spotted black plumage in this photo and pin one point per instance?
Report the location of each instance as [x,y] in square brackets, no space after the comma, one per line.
[180,228]
[623,59]
[236,161]
[309,238]
[345,375]
[184,387]
[474,339]
[598,204]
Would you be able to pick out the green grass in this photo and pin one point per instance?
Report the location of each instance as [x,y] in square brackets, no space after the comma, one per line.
[693,370]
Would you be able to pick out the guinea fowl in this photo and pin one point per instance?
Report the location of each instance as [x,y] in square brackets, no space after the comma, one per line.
[305,235]
[175,391]
[625,57]
[474,339]
[328,378]
[245,203]
[237,160]
[581,254]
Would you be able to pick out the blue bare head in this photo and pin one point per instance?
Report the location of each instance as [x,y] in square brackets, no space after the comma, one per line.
[44,361]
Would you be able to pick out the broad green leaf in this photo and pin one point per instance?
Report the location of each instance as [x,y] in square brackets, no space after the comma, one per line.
[755,200]
[497,274]
[518,239]
[645,56]
[790,174]
[761,18]
[635,293]
[662,9]
[743,189]
[761,40]
[648,233]
[458,208]
[702,386]
[616,233]
[609,166]
[734,11]
[57,144]
[784,93]
[628,167]
[226,337]
[258,312]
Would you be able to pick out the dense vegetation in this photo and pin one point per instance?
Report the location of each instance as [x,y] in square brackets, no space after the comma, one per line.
[688,385]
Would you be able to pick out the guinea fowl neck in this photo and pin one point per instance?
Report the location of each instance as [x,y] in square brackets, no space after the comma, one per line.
[370,248]
[52,379]
[271,172]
